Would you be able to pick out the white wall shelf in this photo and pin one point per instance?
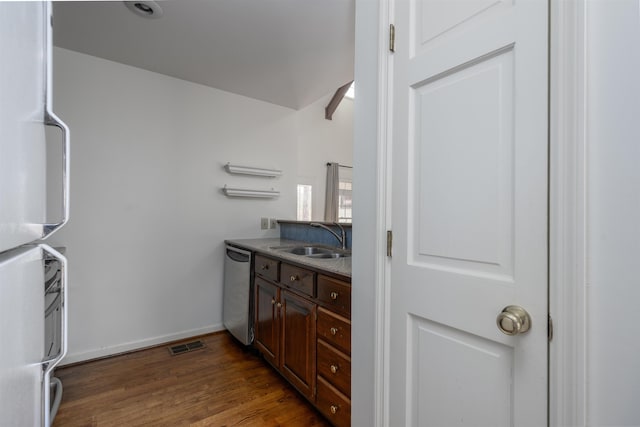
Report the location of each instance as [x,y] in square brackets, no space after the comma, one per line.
[248,170]
[250,193]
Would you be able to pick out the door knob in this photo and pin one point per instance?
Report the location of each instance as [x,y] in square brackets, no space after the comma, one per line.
[513,320]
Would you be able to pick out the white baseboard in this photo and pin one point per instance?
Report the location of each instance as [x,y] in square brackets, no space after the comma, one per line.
[136,345]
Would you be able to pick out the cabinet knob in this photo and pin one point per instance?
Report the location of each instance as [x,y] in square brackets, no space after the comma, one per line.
[279,305]
[293,278]
[334,368]
[334,409]
[334,295]
[273,301]
[333,331]
[264,267]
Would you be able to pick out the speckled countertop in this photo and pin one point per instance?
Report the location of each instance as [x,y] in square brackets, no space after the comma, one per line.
[268,247]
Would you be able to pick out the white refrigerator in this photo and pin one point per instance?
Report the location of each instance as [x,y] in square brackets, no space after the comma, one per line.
[25,112]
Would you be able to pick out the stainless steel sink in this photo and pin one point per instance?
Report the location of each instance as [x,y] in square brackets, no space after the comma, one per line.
[312,251]
[307,250]
[331,255]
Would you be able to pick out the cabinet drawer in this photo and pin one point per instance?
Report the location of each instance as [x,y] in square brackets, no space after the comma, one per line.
[335,293]
[298,278]
[334,329]
[333,404]
[335,367]
[266,267]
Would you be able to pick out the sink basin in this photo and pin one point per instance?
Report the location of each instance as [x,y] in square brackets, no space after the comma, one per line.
[313,251]
[330,255]
[307,250]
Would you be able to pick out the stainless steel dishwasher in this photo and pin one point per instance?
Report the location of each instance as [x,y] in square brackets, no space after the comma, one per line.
[237,307]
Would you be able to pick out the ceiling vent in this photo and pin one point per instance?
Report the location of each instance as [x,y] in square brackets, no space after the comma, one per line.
[145,8]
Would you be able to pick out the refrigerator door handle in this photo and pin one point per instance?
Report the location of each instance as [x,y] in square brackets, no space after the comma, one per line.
[51,119]
[50,363]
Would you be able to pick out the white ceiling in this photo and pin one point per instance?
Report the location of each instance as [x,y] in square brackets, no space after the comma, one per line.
[286,52]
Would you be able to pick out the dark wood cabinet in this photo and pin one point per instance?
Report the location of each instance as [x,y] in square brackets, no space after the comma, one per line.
[333,330]
[298,351]
[267,267]
[335,366]
[303,329]
[299,279]
[285,323]
[333,404]
[267,327]
[335,294]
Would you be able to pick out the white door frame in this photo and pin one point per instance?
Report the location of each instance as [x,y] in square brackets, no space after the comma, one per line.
[567,214]
[567,208]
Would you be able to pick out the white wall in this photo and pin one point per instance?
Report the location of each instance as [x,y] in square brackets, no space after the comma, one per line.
[613,213]
[323,141]
[148,219]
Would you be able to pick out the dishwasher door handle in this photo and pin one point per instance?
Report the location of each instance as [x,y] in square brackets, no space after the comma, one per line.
[238,255]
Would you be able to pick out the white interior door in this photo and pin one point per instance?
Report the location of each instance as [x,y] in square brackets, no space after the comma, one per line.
[469,192]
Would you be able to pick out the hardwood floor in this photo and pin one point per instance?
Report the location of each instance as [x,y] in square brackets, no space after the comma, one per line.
[221,385]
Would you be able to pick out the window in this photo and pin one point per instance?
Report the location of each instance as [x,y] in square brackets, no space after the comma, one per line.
[351,93]
[345,190]
[304,203]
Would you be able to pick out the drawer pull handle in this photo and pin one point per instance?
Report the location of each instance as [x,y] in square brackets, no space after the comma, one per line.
[293,278]
[334,369]
[333,331]
[264,267]
[334,295]
[334,409]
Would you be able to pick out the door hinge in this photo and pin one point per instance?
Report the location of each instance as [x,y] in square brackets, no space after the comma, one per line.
[389,243]
[392,38]
[550,328]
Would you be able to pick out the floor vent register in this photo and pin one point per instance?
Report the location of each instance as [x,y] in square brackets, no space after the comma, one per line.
[185,348]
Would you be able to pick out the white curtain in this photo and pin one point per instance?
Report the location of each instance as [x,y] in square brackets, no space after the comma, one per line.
[331,195]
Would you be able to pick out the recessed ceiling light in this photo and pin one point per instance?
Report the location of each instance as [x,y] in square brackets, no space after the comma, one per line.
[145,8]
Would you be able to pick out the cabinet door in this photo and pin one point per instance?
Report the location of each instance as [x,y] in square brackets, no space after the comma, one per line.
[267,332]
[298,353]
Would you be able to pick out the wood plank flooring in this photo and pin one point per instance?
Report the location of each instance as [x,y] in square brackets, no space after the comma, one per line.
[221,385]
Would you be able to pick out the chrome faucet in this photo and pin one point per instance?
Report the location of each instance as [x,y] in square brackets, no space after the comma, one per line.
[342,238]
